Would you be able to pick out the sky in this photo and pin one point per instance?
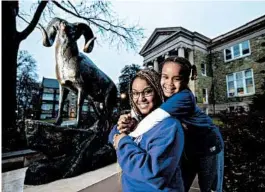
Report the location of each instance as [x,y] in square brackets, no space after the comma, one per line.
[210,18]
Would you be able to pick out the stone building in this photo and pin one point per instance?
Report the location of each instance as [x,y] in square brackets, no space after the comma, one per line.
[230,66]
[49,98]
[49,101]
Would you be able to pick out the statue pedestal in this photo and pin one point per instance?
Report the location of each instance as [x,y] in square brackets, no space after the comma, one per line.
[104,179]
[68,151]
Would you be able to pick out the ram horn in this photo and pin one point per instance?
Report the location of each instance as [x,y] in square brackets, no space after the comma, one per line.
[50,33]
[85,30]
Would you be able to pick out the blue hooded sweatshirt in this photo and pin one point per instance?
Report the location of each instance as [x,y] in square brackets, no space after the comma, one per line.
[202,137]
[150,162]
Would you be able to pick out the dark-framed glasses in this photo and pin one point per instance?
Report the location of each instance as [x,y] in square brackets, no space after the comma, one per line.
[147,92]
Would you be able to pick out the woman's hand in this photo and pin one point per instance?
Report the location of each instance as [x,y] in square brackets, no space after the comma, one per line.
[126,124]
[117,138]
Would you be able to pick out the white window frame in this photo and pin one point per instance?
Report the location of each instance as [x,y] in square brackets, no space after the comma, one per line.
[244,84]
[205,71]
[206,96]
[240,51]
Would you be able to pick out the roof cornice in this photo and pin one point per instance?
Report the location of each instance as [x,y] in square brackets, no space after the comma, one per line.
[179,31]
[156,31]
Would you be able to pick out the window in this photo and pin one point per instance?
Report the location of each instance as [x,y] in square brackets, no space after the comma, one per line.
[245,48]
[85,108]
[237,51]
[48,90]
[47,96]
[204,96]
[203,69]
[45,116]
[46,107]
[240,83]
[57,96]
[228,54]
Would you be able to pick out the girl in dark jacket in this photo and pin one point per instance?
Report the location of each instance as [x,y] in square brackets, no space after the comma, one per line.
[203,151]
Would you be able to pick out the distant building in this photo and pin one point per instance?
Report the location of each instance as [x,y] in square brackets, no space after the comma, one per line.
[49,101]
[230,66]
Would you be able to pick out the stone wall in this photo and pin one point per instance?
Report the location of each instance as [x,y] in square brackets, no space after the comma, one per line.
[203,81]
[255,61]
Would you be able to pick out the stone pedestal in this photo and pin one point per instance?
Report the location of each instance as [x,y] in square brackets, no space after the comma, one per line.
[68,151]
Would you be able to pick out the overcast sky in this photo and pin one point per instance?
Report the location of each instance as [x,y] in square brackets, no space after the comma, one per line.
[209,18]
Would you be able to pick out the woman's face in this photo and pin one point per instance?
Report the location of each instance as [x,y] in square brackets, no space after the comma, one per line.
[143,96]
[171,80]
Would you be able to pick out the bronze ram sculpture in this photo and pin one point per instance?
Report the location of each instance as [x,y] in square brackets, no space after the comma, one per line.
[75,71]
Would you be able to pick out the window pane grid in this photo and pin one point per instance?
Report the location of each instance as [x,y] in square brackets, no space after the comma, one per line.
[237,51]
[240,83]
[248,73]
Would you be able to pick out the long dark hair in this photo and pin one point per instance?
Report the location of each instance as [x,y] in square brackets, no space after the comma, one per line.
[186,70]
[153,79]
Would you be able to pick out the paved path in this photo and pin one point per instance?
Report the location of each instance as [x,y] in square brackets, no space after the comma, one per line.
[195,186]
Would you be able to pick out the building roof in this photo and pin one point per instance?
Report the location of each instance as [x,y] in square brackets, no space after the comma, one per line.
[50,83]
[162,35]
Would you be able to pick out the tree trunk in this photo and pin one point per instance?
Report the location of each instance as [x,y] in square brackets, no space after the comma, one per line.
[9,70]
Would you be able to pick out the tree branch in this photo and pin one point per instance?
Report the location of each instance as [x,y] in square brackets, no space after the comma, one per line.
[73,7]
[29,22]
[24,34]
[124,34]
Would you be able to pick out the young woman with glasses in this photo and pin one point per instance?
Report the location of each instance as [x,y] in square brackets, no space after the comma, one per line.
[149,158]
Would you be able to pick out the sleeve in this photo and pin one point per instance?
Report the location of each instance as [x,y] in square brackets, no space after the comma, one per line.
[158,163]
[179,105]
[113,131]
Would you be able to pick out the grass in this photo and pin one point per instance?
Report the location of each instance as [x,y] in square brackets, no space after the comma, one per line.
[217,122]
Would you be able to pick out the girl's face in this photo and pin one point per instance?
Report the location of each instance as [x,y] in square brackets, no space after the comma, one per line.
[143,96]
[171,79]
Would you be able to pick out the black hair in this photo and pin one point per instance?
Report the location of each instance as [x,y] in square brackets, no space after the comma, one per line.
[186,70]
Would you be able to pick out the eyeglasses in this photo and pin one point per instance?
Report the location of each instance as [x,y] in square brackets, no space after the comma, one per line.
[147,92]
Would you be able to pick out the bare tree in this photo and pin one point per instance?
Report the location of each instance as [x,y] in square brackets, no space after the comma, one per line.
[98,14]
[127,74]
[27,85]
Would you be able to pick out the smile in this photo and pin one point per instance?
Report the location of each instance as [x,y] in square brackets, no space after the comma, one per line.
[169,90]
[143,105]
